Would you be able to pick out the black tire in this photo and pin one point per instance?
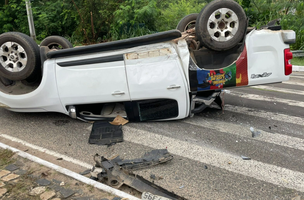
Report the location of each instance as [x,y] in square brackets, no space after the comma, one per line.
[187,22]
[19,58]
[5,81]
[56,42]
[224,30]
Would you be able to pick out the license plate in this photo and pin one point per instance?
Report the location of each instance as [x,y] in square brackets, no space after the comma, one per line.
[149,196]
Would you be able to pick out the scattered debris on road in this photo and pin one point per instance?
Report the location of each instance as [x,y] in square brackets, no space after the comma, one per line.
[149,159]
[117,172]
[119,121]
[104,133]
[85,172]
[245,158]
[255,133]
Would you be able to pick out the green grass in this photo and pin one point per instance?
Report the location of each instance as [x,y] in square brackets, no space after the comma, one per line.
[5,157]
[298,61]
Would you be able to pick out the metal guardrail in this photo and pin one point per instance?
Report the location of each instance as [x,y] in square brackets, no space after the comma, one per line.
[298,53]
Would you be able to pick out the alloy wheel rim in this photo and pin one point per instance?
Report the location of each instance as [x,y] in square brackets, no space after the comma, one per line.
[13,57]
[223,24]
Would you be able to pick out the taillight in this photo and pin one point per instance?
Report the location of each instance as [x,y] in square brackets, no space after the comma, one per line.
[287,58]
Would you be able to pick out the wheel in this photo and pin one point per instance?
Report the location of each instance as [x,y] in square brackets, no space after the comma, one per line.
[5,81]
[56,42]
[187,22]
[221,25]
[19,56]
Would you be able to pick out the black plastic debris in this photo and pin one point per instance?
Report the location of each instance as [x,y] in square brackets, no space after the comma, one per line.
[149,159]
[152,176]
[116,176]
[104,133]
[85,172]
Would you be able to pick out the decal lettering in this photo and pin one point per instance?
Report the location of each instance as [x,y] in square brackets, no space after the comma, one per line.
[264,75]
[233,75]
[218,79]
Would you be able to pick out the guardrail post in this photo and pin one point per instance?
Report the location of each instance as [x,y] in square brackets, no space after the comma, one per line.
[30,19]
[298,54]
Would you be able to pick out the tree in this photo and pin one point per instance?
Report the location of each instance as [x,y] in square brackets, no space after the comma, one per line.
[135,17]
[260,12]
[12,17]
[172,12]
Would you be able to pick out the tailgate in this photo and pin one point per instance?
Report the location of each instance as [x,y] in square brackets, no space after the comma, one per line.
[266,52]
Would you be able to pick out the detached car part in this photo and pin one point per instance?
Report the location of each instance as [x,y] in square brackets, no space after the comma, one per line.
[150,159]
[115,176]
[104,133]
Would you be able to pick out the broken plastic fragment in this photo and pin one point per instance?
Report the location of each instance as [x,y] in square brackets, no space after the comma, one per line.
[104,133]
[226,91]
[85,172]
[115,176]
[154,157]
[255,133]
[245,158]
[152,176]
[119,121]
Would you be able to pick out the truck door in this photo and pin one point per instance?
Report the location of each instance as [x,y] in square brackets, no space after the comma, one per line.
[87,80]
[157,75]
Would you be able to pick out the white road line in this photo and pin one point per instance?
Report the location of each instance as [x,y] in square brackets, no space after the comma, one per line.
[294,83]
[277,89]
[52,153]
[244,131]
[251,168]
[70,173]
[264,114]
[269,99]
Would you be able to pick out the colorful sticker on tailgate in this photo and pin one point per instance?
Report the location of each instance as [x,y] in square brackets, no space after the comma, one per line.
[233,75]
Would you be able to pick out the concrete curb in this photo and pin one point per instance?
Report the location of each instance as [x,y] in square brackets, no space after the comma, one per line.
[69,173]
[296,68]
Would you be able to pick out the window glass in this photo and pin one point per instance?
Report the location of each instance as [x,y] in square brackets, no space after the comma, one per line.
[157,109]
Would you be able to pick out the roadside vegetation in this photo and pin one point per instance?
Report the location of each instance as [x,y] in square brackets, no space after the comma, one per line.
[5,158]
[94,21]
[297,61]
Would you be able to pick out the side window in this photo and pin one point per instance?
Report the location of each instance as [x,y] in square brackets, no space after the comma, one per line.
[152,109]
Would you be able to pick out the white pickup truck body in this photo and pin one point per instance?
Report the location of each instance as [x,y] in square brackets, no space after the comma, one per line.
[151,81]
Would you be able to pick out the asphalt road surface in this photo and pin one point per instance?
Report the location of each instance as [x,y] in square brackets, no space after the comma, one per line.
[207,148]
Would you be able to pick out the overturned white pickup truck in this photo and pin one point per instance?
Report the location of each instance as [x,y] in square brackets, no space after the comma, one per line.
[163,76]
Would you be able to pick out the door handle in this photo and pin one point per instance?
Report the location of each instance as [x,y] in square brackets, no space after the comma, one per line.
[171,87]
[118,93]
